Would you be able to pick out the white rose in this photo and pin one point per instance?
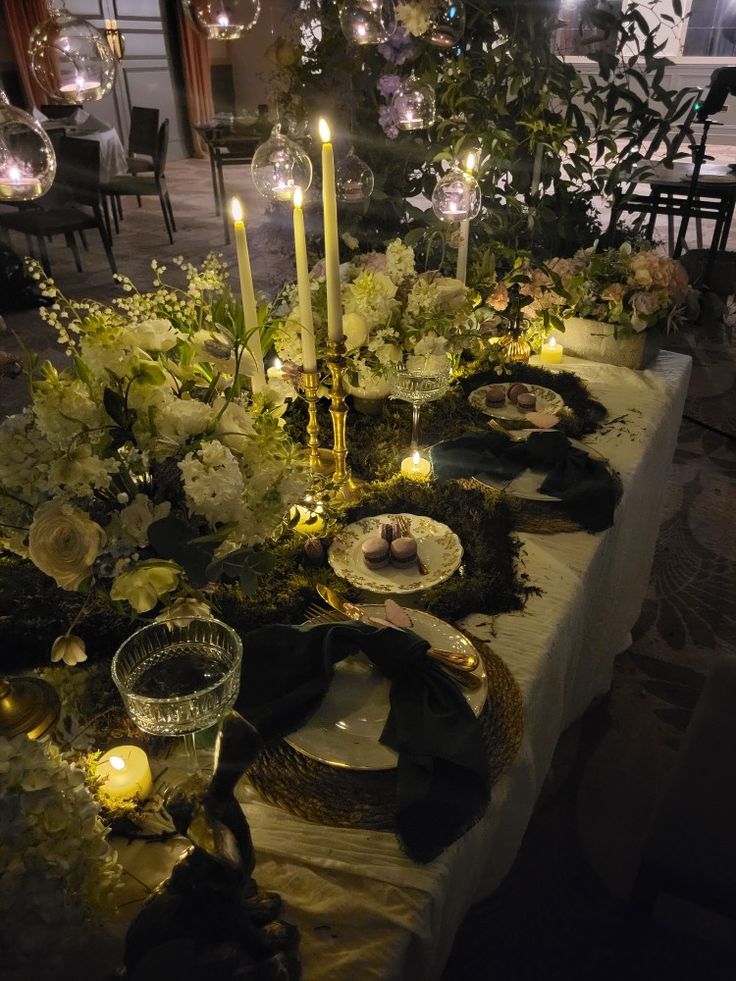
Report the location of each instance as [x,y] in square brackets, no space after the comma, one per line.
[64,543]
[450,293]
[154,335]
[355,328]
[136,519]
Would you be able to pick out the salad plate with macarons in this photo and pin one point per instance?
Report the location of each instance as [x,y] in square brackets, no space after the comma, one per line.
[395,553]
[516,401]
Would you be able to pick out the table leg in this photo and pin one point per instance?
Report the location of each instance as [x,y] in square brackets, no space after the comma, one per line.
[213,172]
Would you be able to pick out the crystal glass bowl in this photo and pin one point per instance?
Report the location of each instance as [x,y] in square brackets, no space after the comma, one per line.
[180,676]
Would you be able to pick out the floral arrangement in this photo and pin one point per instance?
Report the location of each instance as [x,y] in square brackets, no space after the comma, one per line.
[391,314]
[146,471]
[57,872]
[631,287]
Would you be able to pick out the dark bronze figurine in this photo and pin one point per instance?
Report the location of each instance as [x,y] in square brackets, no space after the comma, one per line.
[209,921]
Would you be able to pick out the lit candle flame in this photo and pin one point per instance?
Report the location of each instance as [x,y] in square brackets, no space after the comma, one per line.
[415,458]
[298,197]
[117,762]
[236,209]
[324,131]
[14,175]
[277,363]
[223,20]
[470,163]
[552,342]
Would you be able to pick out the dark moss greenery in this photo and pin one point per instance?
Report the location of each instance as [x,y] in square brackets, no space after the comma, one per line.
[546,134]
[379,443]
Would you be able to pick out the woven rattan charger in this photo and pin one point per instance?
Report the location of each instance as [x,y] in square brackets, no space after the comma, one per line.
[367,798]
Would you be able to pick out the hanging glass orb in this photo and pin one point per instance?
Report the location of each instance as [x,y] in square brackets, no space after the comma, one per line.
[446,23]
[223,20]
[353,179]
[367,21]
[279,165]
[456,196]
[413,104]
[27,159]
[71,60]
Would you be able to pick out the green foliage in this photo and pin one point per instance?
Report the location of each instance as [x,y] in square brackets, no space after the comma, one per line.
[547,135]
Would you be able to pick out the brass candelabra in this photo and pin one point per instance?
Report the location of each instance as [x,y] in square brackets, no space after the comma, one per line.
[337,362]
[310,381]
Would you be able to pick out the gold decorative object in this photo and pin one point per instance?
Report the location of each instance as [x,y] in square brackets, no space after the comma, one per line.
[28,705]
[345,484]
[516,348]
[310,381]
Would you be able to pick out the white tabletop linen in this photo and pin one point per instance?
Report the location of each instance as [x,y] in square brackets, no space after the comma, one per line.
[83,126]
[366,911]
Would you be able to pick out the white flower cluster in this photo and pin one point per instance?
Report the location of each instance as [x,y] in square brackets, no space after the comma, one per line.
[58,875]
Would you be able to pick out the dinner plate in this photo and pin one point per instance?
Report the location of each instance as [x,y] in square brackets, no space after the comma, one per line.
[437,545]
[345,729]
[547,401]
[526,484]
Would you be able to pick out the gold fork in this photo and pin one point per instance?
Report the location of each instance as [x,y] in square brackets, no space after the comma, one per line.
[457,665]
[405,526]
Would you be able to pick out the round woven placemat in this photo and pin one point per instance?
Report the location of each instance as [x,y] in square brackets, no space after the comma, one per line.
[367,798]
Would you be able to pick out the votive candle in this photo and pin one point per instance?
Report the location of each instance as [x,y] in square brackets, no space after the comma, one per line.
[416,467]
[551,352]
[125,773]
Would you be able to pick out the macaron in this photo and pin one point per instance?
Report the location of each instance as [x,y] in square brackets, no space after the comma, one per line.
[403,552]
[495,395]
[375,552]
[514,391]
[526,401]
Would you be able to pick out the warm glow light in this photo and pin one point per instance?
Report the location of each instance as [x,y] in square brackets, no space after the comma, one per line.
[324,131]
[236,209]
[14,175]
[277,363]
[415,458]
[117,762]
[552,342]
[470,163]
[223,20]
[298,197]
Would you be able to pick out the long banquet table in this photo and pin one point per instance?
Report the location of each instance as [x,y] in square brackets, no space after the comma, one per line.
[363,909]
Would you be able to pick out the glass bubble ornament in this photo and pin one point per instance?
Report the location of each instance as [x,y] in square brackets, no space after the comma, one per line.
[279,165]
[70,59]
[354,179]
[367,21]
[456,196]
[27,158]
[223,20]
[413,104]
[447,23]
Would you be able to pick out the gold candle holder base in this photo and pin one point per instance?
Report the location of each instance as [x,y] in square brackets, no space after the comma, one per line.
[346,487]
[320,461]
[28,705]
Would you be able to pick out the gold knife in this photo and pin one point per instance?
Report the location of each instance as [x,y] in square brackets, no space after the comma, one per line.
[456,660]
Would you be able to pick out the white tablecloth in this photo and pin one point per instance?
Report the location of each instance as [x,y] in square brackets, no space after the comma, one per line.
[363,909]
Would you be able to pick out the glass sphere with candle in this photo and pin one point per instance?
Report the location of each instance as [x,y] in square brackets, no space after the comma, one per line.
[354,179]
[446,23]
[456,196]
[413,104]
[27,158]
[367,21]
[71,59]
[279,166]
[223,20]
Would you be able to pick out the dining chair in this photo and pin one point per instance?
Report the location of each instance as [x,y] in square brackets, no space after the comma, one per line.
[142,139]
[72,206]
[131,185]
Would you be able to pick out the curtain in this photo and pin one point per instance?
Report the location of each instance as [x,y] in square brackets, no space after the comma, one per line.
[197,79]
[21,16]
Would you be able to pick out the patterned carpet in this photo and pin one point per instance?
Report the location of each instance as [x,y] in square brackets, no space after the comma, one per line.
[558,913]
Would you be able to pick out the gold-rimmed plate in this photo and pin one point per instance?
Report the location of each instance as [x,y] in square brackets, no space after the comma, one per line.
[345,729]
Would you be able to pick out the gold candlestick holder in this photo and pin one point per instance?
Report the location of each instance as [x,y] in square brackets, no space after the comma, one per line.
[310,381]
[346,486]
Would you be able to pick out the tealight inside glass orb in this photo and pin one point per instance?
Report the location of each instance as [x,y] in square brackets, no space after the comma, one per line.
[413,104]
[27,158]
[447,23]
[223,20]
[367,21]
[354,179]
[279,165]
[71,59]
[456,196]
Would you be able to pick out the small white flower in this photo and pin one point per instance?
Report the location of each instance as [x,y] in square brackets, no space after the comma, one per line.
[70,649]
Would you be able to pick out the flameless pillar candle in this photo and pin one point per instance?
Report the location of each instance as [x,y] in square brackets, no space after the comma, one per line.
[332,241]
[462,249]
[309,351]
[124,773]
[416,467]
[551,352]
[247,294]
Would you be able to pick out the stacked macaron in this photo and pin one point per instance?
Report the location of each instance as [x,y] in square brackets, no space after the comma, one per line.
[495,395]
[521,397]
[390,546]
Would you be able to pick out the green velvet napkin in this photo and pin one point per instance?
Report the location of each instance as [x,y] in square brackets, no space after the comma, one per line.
[442,776]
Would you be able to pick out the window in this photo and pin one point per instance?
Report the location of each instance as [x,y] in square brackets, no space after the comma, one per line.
[711,28]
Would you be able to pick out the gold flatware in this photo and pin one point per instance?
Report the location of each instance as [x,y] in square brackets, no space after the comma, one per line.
[405,526]
[515,437]
[458,660]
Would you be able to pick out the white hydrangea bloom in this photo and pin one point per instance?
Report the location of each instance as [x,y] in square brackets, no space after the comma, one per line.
[64,409]
[213,483]
[400,260]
